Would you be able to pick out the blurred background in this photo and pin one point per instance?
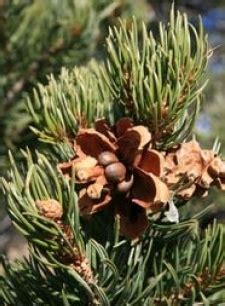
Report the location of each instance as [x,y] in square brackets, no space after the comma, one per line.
[38,37]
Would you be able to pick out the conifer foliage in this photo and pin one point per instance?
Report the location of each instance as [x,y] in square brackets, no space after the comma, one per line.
[105,206]
[38,38]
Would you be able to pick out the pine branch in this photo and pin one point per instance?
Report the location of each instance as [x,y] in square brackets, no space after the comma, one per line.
[64,34]
[72,101]
[156,83]
[147,271]
[35,206]
[89,259]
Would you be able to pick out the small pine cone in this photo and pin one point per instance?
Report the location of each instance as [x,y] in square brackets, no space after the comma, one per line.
[82,266]
[50,209]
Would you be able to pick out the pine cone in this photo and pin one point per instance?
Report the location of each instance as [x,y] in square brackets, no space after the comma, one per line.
[117,166]
[50,209]
[191,170]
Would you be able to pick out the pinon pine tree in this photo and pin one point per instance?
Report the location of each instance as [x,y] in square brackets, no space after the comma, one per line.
[106,208]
